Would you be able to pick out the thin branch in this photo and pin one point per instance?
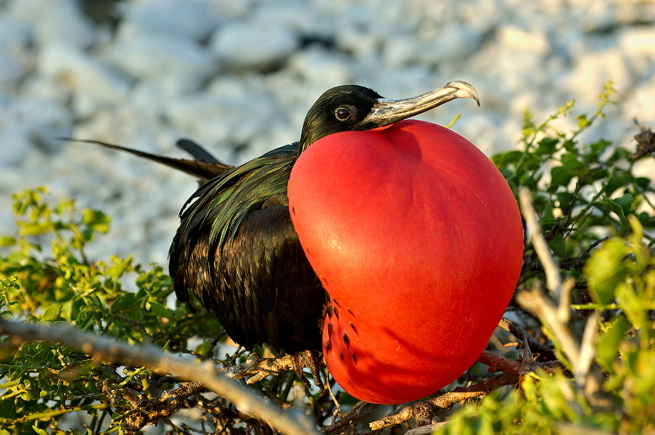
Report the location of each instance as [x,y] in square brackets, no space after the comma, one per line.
[556,317]
[292,421]
[256,368]
[536,302]
[545,352]
[553,279]
[447,400]
[427,430]
[497,363]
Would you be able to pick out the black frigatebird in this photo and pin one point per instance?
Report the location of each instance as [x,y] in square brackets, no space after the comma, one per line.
[236,248]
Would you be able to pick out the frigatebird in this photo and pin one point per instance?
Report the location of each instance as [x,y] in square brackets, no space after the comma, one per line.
[236,249]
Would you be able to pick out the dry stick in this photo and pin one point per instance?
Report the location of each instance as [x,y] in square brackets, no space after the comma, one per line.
[256,368]
[544,351]
[292,422]
[497,363]
[534,300]
[553,279]
[447,400]
[556,317]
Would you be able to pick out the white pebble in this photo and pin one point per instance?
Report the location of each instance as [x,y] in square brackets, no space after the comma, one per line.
[638,41]
[81,72]
[188,18]
[16,145]
[259,45]
[55,20]
[10,69]
[515,38]
[594,69]
[159,54]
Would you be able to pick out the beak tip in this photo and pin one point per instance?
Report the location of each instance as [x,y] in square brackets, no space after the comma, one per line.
[463,90]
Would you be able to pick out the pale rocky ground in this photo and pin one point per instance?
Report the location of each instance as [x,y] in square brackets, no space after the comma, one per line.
[239,76]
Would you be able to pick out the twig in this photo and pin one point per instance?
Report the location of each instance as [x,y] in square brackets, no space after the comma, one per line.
[291,421]
[553,279]
[545,352]
[556,317]
[427,430]
[447,400]
[361,409]
[256,368]
[497,363]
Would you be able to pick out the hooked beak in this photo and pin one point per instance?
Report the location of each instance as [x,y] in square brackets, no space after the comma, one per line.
[386,112]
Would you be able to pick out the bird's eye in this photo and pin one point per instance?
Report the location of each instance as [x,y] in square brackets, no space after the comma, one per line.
[344,113]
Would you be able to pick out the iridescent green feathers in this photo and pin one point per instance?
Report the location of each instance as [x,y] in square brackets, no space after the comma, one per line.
[224,202]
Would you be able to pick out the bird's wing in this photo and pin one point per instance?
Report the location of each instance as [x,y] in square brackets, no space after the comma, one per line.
[237,251]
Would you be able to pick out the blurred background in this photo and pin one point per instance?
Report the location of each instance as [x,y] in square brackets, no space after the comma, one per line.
[239,76]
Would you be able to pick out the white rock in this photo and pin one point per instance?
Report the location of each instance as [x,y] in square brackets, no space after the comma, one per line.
[160,54]
[320,66]
[154,95]
[640,103]
[453,44]
[593,69]
[515,38]
[16,145]
[34,121]
[638,41]
[189,18]
[55,20]
[13,32]
[10,70]
[44,88]
[253,44]
[80,72]
[221,116]
[450,45]
[296,15]
[14,60]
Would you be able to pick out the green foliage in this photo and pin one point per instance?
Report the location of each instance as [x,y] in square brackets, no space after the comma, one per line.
[593,212]
[41,381]
[583,191]
[546,404]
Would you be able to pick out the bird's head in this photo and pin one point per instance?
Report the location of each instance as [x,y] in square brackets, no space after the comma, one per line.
[356,108]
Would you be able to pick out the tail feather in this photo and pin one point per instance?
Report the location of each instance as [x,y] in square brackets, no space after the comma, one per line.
[196,151]
[204,166]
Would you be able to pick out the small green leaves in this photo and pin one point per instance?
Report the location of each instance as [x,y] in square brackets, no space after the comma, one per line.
[598,218]
[605,269]
[42,379]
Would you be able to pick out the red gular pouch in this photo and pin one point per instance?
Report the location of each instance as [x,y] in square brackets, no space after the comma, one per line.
[418,240]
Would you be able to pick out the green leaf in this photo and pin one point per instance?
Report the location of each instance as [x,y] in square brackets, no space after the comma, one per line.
[51,313]
[608,343]
[560,176]
[625,202]
[583,122]
[571,162]
[7,241]
[547,146]
[96,219]
[159,310]
[597,148]
[507,158]
[605,270]
[614,206]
